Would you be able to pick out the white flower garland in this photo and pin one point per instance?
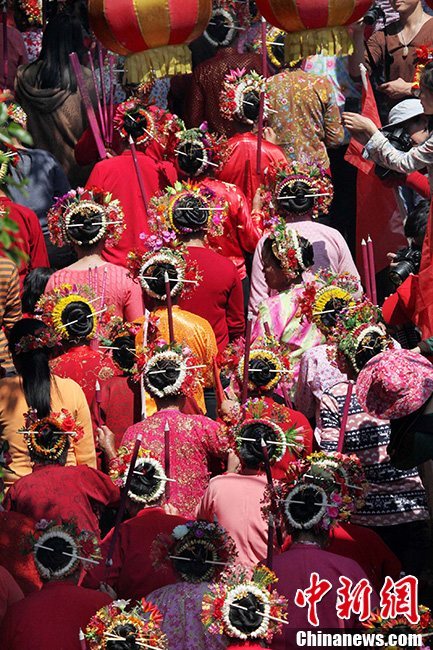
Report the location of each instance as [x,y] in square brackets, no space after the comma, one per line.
[297,490]
[72,562]
[281,437]
[162,258]
[204,154]
[371,329]
[230,23]
[173,389]
[158,490]
[237,593]
[79,209]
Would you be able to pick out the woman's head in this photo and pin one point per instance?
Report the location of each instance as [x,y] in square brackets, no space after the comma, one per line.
[34,286]
[406,7]
[240,96]
[285,256]
[31,344]
[426,89]
[62,36]
[250,447]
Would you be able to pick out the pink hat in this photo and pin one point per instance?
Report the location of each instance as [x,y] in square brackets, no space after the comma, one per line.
[394,383]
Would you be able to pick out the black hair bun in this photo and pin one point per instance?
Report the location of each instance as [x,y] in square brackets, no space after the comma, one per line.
[371,344]
[123,354]
[135,124]
[247,620]
[147,481]
[164,373]
[128,632]
[190,160]
[252,452]
[90,219]
[301,203]
[266,366]
[78,317]
[192,219]
[54,560]
[158,271]
[251,105]
[197,568]
[333,306]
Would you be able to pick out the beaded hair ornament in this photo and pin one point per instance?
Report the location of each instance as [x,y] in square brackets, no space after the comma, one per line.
[318,492]
[153,488]
[169,211]
[71,312]
[358,335]
[206,149]
[179,366]
[278,436]
[150,266]
[86,216]
[324,298]
[138,626]
[198,551]
[281,183]
[239,85]
[242,606]
[269,364]
[17,114]
[287,249]
[48,439]
[154,122]
[63,542]
[401,625]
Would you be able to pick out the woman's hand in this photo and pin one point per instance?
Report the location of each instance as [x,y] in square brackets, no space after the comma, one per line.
[106,441]
[269,135]
[397,89]
[257,201]
[361,128]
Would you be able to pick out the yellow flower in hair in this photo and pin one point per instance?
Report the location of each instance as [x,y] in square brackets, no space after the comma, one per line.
[324,303]
[59,308]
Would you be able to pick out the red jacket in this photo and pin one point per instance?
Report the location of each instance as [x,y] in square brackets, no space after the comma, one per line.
[117,175]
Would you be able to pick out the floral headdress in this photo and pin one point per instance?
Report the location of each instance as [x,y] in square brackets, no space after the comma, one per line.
[211,148]
[32,10]
[198,551]
[48,438]
[279,184]
[424,55]
[71,311]
[63,539]
[183,273]
[44,338]
[326,297]
[74,213]
[169,209]
[287,249]
[269,364]
[280,437]
[242,589]
[232,15]
[157,123]
[17,114]
[148,465]
[318,492]
[120,338]
[179,365]
[386,626]
[237,84]
[138,626]
[357,336]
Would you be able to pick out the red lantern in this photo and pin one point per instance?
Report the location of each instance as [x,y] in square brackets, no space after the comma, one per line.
[152,33]
[317,23]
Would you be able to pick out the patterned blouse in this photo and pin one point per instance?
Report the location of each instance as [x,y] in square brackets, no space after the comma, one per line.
[395,496]
[307,119]
[194,439]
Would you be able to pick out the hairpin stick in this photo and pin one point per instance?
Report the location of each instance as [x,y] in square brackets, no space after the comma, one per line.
[281,372]
[302,503]
[275,43]
[326,311]
[208,162]
[268,442]
[78,557]
[64,325]
[93,223]
[114,637]
[322,478]
[152,277]
[66,433]
[162,478]
[241,29]
[293,196]
[190,559]
[273,618]
[202,209]
[269,110]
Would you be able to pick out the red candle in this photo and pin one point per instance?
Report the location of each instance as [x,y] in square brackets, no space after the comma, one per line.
[372,270]
[218,386]
[366,269]
[167,458]
[169,307]
[138,171]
